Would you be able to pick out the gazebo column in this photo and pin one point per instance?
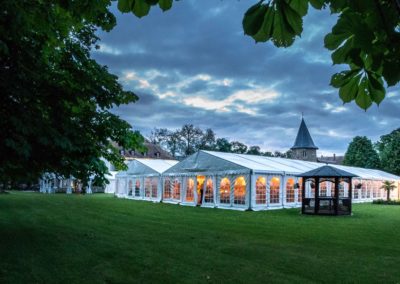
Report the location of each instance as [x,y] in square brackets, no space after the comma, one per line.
[336,197]
[316,208]
[303,193]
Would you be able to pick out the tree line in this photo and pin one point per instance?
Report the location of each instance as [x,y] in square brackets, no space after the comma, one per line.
[189,139]
[384,154]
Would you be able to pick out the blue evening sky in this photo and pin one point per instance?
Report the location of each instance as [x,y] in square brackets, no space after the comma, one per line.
[193,64]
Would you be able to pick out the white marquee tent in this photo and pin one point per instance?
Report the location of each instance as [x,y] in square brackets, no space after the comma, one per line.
[142,180]
[238,181]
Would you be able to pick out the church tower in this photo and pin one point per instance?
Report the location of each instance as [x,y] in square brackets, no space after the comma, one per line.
[304,147]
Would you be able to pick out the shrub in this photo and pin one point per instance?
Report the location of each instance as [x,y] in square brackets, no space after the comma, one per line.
[386,202]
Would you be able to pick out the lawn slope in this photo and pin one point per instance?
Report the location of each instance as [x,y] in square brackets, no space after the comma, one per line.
[101,239]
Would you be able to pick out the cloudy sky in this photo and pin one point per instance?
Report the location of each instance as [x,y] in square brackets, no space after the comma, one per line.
[193,64]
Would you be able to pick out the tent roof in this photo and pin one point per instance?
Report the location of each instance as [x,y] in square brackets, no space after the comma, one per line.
[327,171]
[149,166]
[205,161]
[209,161]
[303,138]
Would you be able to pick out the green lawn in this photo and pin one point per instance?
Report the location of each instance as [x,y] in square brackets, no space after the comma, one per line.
[101,239]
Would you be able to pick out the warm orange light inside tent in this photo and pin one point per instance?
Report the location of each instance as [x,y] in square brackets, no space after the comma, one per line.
[209,183]
[260,183]
[225,185]
[275,181]
[240,186]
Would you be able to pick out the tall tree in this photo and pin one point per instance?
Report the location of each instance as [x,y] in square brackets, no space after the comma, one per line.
[361,153]
[389,151]
[55,99]
[191,137]
[168,139]
[254,150]
[174,143]
[238,147]
[207,141]
[366,38]
[223,145]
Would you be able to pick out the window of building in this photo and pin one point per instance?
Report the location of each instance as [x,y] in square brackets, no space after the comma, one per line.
[176,192]
[137,188]
[274,190]
[290,190]
[190,190]
[261,191]
[157,154]
[239,191]
[154,187]
[225,191]
[209,194]
[304,154]
[147,187]
[167,189]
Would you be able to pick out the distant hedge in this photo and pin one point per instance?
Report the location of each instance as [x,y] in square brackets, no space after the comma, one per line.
[385,202]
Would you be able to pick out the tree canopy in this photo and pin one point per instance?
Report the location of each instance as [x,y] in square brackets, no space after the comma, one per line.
[361,153]
[366,38]
[189,139]
[389,151]
[55,98]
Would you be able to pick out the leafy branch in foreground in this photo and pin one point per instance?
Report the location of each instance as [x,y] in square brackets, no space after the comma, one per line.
[55,99]
[366,38]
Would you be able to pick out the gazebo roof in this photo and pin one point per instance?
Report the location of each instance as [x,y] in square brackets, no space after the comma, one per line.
[327,171]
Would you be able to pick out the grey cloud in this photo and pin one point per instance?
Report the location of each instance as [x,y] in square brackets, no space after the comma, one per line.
[205,37]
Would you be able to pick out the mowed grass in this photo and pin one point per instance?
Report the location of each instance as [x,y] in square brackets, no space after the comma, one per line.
[102,239]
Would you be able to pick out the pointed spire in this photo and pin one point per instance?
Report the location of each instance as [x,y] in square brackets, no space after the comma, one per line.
[303,138]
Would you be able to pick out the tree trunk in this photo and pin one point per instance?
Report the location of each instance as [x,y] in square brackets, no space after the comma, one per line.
[388,195]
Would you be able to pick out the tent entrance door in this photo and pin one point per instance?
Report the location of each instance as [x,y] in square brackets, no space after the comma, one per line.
[200,189]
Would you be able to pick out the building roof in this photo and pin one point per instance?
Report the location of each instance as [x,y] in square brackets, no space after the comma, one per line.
[327,171]
[303,138]
[154,151]
[212,162]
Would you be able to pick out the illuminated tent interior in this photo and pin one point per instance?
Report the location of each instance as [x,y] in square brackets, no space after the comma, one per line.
[142,180]
[248,182]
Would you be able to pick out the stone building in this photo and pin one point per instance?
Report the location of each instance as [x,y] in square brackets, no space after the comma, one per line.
[304,148]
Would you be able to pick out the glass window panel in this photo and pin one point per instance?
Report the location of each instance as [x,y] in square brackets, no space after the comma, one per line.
[225,191]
